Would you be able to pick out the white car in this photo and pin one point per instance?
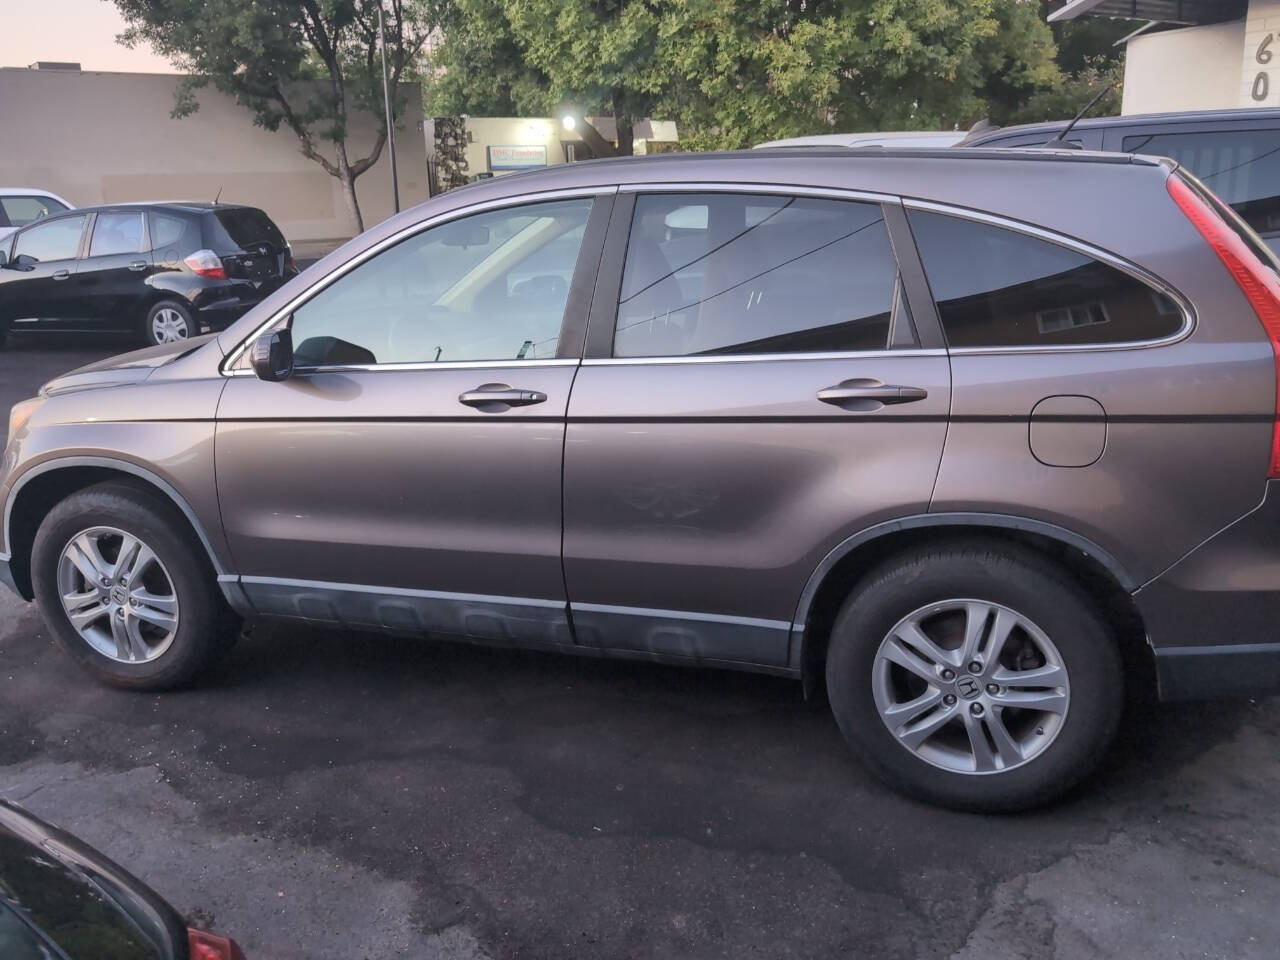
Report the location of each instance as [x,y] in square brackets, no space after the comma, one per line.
[22,205]
[891,138]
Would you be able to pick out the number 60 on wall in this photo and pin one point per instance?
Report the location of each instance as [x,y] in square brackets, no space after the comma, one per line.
[1262,80]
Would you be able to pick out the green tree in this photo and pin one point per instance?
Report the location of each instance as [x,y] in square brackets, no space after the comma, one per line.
[1088,59]
[306,64]
[735,72]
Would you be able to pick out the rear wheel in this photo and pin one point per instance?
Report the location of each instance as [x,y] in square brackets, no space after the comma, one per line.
[125,590]
[979,679]
[168,322]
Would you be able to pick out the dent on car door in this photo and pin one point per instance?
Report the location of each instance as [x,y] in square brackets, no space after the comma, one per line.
[754,393]
[407,476]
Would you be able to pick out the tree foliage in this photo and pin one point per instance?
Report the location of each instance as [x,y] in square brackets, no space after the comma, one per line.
[303,64]
[736,72]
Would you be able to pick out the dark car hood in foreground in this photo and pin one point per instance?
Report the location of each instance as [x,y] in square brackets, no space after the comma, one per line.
[80,900]
[124,368]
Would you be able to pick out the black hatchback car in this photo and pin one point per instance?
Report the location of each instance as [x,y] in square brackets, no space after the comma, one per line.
[160,272]
[62,900]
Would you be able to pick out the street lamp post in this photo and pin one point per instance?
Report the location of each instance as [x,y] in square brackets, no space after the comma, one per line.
[391,127]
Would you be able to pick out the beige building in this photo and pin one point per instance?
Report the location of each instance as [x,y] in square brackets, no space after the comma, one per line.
[108,137]
[1194,54]
[500,145]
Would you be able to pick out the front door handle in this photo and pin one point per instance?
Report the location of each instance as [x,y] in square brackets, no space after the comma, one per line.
[494,397]
[61,274]
[138,266]
[885,393]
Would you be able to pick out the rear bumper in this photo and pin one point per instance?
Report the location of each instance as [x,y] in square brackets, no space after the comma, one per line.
[1213,618]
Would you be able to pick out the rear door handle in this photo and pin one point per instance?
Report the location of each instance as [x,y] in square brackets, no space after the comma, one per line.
[61,274]
[138,265]
[492,397]
[871,390]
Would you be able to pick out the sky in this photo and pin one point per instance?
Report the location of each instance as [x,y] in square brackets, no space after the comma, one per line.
[83,31]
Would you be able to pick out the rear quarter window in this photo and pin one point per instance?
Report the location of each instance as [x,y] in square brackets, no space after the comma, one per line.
[997,287]
[174,237]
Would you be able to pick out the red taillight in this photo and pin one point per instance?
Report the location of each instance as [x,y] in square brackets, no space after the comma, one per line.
[206,263]
[1257,282]
[210,946]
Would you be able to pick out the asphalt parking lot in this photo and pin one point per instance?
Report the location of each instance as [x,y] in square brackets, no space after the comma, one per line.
[344,796]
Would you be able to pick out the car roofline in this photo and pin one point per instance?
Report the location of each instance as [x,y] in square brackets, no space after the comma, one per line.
[1128,119]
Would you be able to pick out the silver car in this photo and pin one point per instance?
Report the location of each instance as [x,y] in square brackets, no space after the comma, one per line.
[981,441]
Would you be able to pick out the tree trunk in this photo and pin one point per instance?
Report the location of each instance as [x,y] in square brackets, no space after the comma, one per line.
[348,181]
[626,128]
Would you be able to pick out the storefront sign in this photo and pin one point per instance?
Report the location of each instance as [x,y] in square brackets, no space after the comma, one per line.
[517,158]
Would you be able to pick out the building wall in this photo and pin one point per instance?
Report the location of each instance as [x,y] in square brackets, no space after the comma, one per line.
[108,137]
[1196,68]
[547,132]
[512,131]
[1260,73]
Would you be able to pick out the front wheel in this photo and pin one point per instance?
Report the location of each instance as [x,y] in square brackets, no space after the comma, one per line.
[124,589]
[975,678]
[167,322]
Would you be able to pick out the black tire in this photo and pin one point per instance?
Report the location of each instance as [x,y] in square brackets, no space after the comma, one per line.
[1024,582]
[181,309]
[201,634]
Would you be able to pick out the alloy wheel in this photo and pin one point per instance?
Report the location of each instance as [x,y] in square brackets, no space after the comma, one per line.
[970,686]
[169,326]
[117,595]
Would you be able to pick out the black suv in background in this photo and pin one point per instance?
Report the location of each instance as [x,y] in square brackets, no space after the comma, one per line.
[161,272]
[1236,153]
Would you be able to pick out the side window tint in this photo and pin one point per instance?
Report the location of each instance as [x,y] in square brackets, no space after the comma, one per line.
[748,274]
[491,286]
[166,232]
[57,240]
[115,233]
[1000,288]
[1240,166]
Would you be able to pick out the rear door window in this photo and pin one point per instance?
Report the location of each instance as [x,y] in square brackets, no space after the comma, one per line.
[710,274]
[56,240]
[1240,166]
[116,233]
[996,287]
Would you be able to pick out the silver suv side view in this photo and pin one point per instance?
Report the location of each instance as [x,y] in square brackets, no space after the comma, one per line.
[982,441]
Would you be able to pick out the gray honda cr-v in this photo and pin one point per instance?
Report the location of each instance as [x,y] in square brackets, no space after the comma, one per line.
[980,440]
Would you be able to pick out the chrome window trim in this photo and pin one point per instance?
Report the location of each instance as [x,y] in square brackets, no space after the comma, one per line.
[1079,246]
[784,189]
[339,272]
[764,357]
[423,365]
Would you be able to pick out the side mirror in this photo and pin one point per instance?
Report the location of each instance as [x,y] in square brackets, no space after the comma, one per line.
[4,259]
[24,261]
[272,356]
